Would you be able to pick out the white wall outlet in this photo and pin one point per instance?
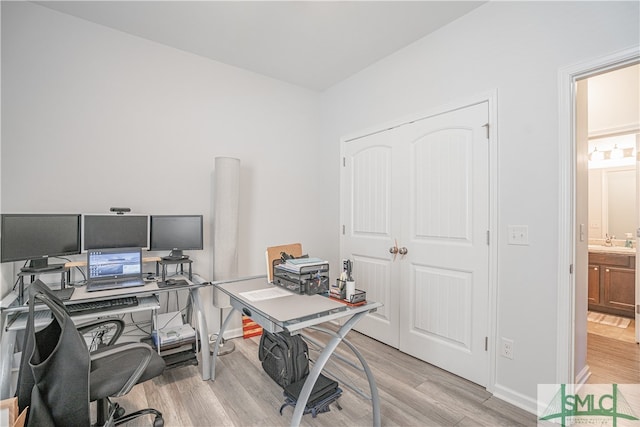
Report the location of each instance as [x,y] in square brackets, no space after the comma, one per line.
[518,234]
[506,348]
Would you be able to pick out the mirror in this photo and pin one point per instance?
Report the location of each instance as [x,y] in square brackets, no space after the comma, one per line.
[612,202]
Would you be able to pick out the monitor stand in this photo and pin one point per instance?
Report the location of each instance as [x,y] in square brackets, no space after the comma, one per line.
[175,255]
[41,265]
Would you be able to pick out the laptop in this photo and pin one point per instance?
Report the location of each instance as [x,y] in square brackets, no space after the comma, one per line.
[115,268]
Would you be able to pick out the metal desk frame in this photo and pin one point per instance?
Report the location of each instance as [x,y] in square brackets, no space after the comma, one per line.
[11,311]
[233,288]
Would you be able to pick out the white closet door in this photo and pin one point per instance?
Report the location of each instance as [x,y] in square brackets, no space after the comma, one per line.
[423,188]
[445,273]
[370,226]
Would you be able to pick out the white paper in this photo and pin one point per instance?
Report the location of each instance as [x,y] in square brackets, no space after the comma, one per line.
[265,294]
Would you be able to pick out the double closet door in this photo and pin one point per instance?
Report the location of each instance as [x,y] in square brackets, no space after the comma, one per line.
[415,216]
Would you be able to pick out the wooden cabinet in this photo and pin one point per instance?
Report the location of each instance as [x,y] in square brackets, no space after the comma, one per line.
[612,283]
[594,285]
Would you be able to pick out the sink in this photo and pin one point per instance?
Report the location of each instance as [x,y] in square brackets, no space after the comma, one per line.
[612,249]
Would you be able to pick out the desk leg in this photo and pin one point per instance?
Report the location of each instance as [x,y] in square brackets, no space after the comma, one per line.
[6,362]
[217,346]
[319,366]
[203,331]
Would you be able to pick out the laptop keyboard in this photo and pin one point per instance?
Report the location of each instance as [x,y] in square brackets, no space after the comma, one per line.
[101,305]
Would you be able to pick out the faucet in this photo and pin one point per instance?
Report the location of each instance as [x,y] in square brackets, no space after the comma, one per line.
[607,241]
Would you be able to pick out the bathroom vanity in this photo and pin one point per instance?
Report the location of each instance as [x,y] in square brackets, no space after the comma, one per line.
[612,280]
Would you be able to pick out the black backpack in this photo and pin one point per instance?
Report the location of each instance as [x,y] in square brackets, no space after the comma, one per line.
[284,357]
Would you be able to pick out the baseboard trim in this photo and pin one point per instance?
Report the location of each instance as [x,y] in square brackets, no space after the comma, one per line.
[517,399]
[583,375]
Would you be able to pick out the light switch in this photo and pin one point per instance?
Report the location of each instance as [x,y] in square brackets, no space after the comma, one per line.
[518,234]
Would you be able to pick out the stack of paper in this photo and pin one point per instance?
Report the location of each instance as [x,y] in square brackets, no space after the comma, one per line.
[296,264]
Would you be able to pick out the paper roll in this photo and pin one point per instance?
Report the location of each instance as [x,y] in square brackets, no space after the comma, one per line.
[226,201]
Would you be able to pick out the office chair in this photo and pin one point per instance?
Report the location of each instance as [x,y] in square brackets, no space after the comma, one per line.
[59,376]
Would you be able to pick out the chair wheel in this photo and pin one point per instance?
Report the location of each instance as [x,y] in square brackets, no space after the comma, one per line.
[158,422]
[119,412]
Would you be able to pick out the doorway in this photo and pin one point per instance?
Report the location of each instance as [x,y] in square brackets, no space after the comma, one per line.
[608,132]
[573,222]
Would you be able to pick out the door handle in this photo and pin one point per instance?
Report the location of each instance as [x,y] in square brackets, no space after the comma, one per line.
[403,251]
[394,249]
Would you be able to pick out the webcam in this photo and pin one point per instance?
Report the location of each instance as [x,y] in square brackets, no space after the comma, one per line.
[120,211]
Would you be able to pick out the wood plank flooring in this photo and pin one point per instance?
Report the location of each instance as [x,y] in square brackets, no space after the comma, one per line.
[412,393]
[613,355]
[612,361]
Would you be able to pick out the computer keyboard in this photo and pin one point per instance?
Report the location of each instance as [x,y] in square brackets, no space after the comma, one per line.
[101,305]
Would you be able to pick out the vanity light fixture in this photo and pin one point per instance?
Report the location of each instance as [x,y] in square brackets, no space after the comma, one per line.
[596,156]
[616,153]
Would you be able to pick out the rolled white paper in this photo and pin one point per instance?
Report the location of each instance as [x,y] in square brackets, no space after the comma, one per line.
[226,201]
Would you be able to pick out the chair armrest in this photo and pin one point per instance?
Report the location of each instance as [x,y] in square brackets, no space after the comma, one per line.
[137,373]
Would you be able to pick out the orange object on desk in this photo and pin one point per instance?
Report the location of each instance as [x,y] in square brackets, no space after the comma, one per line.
[345,302]
[250,328]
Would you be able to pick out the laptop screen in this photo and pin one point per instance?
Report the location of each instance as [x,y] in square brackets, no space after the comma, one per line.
[113,264]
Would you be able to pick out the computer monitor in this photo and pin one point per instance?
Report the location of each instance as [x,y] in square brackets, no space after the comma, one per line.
[176,233]
[38,237]
[103,231]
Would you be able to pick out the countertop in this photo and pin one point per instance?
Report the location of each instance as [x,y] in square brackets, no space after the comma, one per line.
[612,249]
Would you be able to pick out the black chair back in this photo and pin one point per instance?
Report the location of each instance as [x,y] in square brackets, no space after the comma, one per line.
[53,380]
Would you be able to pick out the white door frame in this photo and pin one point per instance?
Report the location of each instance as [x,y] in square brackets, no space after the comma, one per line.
[567,204]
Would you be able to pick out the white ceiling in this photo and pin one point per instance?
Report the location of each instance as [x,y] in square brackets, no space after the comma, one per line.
[313,44]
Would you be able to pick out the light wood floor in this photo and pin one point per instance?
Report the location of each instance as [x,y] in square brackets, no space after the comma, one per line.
[612,354]
[412,393]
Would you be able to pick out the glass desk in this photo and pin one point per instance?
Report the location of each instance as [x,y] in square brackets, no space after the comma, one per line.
[256,298]
[13,318]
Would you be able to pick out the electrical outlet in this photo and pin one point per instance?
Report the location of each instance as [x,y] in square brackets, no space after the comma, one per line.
[507,348]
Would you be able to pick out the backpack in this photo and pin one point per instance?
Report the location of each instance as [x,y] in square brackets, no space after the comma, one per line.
[284,357]
[325,391]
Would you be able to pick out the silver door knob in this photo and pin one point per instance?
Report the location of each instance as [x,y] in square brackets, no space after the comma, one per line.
[393,250]
[403,251]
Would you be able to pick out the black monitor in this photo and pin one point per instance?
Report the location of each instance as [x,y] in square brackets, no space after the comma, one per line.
[176,233]
[104,231]
[38,237]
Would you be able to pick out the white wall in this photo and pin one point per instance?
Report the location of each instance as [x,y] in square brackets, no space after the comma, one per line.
[94,118]
[614,101]
[518,49]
